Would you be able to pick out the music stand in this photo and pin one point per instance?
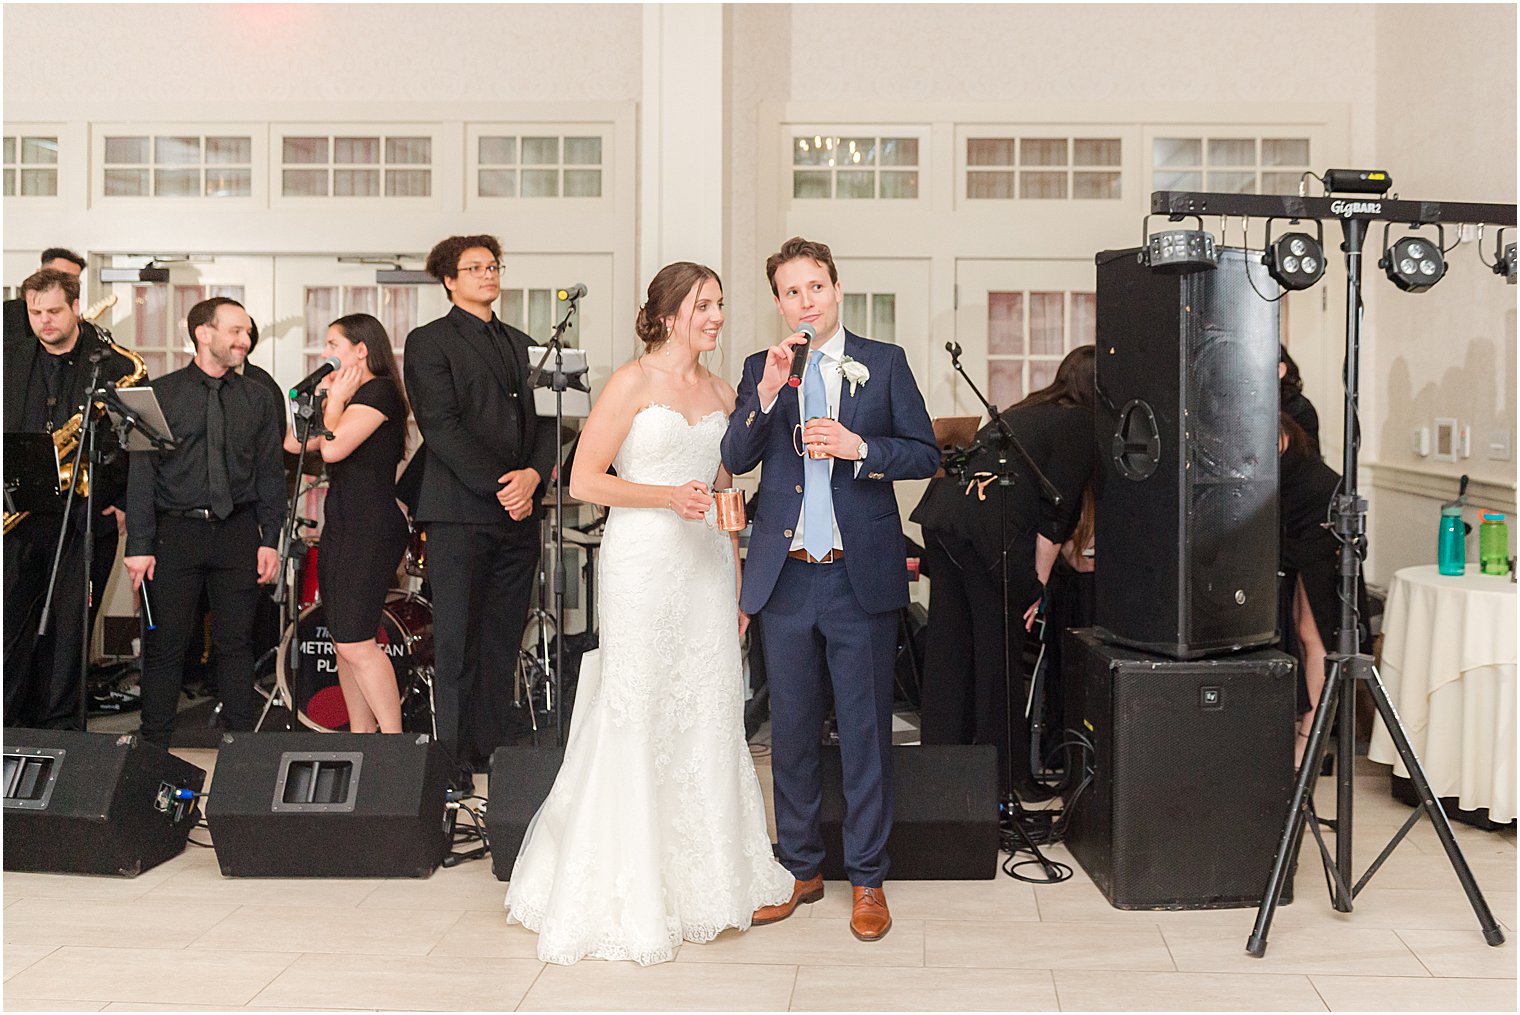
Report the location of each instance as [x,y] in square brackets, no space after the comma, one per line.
[31,473]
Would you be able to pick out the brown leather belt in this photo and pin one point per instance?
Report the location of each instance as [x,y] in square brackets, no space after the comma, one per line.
[827,558]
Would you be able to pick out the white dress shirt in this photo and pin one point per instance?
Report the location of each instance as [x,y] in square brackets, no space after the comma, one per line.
[833,381]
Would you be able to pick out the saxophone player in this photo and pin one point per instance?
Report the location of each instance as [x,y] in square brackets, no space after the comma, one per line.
[48,370]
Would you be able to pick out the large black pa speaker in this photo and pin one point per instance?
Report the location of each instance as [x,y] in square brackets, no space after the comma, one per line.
[1188,781]
[329,805]
[1187,434]
[94,803]
[945,813]
[521,778]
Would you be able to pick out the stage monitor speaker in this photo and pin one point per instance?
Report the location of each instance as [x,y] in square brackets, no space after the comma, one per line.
[329,805]
[1187,434]
[521,778]
[945,813]
[94,803]
[1191,772]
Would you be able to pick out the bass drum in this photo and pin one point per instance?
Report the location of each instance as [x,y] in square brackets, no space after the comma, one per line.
[311,670]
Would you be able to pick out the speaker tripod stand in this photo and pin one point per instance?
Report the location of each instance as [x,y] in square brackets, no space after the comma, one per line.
[1343,668]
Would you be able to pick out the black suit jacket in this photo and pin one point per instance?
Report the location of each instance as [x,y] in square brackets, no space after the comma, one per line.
[17,324]
[477,421]
[22,350]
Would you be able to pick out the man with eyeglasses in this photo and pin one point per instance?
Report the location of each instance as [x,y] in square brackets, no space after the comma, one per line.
[487,453]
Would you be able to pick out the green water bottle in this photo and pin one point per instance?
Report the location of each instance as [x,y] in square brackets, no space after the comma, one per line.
[1493,544]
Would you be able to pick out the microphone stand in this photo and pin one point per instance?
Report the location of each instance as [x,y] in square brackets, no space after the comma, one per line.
[1011,807]
[560,382]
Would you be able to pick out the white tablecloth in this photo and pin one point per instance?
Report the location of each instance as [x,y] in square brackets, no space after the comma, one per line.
[1449,667]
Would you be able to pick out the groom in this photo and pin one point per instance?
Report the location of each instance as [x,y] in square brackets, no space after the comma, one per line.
[827,567]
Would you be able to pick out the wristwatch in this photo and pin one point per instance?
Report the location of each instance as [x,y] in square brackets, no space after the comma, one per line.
[860,452]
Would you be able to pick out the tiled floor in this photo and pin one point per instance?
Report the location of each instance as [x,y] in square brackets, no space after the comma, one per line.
[182,937]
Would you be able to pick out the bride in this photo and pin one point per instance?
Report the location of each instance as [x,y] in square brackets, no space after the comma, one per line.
[654,832]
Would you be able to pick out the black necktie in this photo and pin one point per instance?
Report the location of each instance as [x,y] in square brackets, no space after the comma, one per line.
[216,450]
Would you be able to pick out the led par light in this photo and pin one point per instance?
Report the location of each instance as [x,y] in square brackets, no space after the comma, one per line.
[1414,263]
[1295,260]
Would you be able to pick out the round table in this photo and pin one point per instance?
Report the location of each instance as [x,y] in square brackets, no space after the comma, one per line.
[1448,663]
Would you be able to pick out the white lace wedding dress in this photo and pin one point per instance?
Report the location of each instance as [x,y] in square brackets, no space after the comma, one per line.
[654,832]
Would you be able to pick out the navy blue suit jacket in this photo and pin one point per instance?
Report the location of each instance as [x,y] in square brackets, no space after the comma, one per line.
[888,413]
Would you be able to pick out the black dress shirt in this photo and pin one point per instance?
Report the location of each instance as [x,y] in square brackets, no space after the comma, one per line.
[179,480]
[48,403]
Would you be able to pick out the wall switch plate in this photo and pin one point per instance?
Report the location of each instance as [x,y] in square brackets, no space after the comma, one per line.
[1446,440]
[1420,438]
[1498,445]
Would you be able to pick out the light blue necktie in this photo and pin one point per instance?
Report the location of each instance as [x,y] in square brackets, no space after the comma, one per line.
[817,501]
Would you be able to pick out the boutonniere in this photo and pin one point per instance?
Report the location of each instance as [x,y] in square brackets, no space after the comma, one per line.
[854,372]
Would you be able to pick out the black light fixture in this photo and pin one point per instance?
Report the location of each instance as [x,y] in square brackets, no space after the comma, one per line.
[1413,263]
[1178,251]
[1504,256]
[1296,260]
[151,273]
[390,272]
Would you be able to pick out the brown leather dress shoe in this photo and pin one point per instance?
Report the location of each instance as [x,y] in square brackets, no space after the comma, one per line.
[870,921]
[807,891]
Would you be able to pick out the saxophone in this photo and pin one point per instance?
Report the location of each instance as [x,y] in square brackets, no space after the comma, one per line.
[66,437]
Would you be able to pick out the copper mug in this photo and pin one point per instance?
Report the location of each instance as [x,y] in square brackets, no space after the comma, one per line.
[816,452]
[730,509]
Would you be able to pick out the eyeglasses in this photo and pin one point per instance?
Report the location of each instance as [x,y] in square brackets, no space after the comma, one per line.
[478,269]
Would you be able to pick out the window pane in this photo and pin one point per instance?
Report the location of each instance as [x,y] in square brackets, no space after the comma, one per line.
[1042,151]
[989,151]
[1289,151]
[356,183]
[1096,151]
[884,316]
[995,186]
[583,151]
[857,151]
[498,183]
[305,182]
[808,151]
[361,299]
[1005,382]
[899,151]
[498,151]
[185,297]
[10,149]
[304,150]
[583,183]
[1232,151]
[1177,181]
[408,183]
[1042,186]
[1096,186]
[39,151]
[540,151]
[1042,373]
[1084,319]
[1047,329]
[512,308]
[1177,151]
[229,150]
[177,151]
[1005,324]
[398,312]
[855,183]
[360,150]
[232,292]
[319,310]
[229,182]
[150,316]
[1280,183]
[811,184]
[177,182]
[853,313]
[126,183]
[1233,183]
[10,182]
[409,151]
[540,311]
[539,182]
[899,183]
[39,183]
[130,150]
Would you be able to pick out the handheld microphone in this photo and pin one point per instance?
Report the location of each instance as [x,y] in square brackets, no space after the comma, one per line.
[575,292]
[800,355]
[309,384]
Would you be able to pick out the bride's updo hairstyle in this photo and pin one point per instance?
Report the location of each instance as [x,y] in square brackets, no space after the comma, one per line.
[667,291]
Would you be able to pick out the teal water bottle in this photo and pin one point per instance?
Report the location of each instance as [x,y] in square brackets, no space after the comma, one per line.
[1493,544]
[1451,554]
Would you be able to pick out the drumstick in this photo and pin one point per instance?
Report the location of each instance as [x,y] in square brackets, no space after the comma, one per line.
[147,608]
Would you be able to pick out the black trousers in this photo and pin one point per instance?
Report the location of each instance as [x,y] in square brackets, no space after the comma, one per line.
[220,557]
[481,580]
[965,695]
[42,674]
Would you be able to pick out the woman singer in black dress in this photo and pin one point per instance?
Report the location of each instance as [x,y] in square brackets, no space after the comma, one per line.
[968,523]
[364,531]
